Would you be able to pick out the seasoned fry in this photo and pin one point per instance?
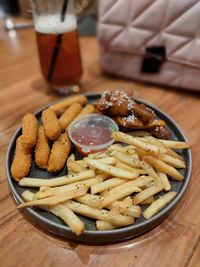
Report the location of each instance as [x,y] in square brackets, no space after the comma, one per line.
[88,109]
[116,195]
[121,220]
[105,185]
[134,211]
[175,144]
[66,188]
[22,161]
[59,153]
[67,215]
[128,168]
[67,179]
[103,226]
[51,201]
[116,172]
[174,162]
[73,166]
[29,130]
[158,204]
[146,193]
[68,116]
[90,200]
[147,201]
[127,139]
[60,107]
[108,160]
[121,206]
[139,133]
[51,124]
[163,167]
[42,149]
[165,181]
[140,182]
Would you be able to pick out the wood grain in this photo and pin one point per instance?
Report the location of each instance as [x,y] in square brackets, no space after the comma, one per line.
[176,242]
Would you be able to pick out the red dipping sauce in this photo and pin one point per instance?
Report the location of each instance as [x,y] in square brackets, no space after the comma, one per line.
[92,133]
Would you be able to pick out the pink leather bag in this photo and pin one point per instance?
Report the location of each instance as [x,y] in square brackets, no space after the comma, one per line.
[151,40]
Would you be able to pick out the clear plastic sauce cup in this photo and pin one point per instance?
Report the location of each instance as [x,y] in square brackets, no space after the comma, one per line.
[92,133]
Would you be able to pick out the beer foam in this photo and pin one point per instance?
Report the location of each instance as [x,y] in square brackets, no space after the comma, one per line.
[52,24]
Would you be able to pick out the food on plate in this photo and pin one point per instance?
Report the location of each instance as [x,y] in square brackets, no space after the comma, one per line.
[29,130]
[51,124]
[60,107]
[67,117]
[22,160]
[115,184]
[42,149]
[129,114]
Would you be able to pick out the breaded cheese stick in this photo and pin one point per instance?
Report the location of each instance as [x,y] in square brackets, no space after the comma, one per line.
[22,161]
[59,153]
[29,130]
[60,107]
[88,109]
[51,124]
[42,149]
[68,116]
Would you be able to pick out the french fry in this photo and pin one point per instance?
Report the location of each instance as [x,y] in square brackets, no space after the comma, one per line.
[51,191]
[140,182]
[67,179]
[50,201]
[174,162]
[90,200]
[60,107]
[146,193]
[67,215]
[163,167]
[139,133]
[116,195]
[116,172]
[175,144]
[82,163]
[158,204]
[105,185]
[69,115]
[128,168]
[147,201]
[121,206]
[85,210]
[74,166]
[103,226]
[98,155]
[127,139]
[108,160]
[134,211]
[165,181]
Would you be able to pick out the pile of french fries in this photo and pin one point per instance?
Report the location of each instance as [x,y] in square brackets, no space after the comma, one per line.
[115,186]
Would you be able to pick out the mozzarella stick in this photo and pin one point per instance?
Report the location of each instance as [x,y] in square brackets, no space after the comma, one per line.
[29,130]
[59,153]
[88,109]
[42,149]
[22,161]
[60,107]
[51,124]
[69,115]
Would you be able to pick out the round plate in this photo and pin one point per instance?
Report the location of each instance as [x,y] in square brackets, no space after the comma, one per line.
[55,225]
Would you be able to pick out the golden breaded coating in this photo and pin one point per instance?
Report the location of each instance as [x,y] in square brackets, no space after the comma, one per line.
[22,161]
[60,107]
[42,149]
[88,109]
[29,130]
[68,116]
[59,153]
[51,124]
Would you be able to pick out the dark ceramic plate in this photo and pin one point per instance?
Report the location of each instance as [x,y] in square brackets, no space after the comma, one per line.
[56,226]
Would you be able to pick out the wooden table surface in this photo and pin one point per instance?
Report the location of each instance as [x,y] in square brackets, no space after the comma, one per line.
[176,242]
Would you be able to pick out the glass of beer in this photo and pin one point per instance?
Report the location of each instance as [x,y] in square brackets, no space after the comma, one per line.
[58,43]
